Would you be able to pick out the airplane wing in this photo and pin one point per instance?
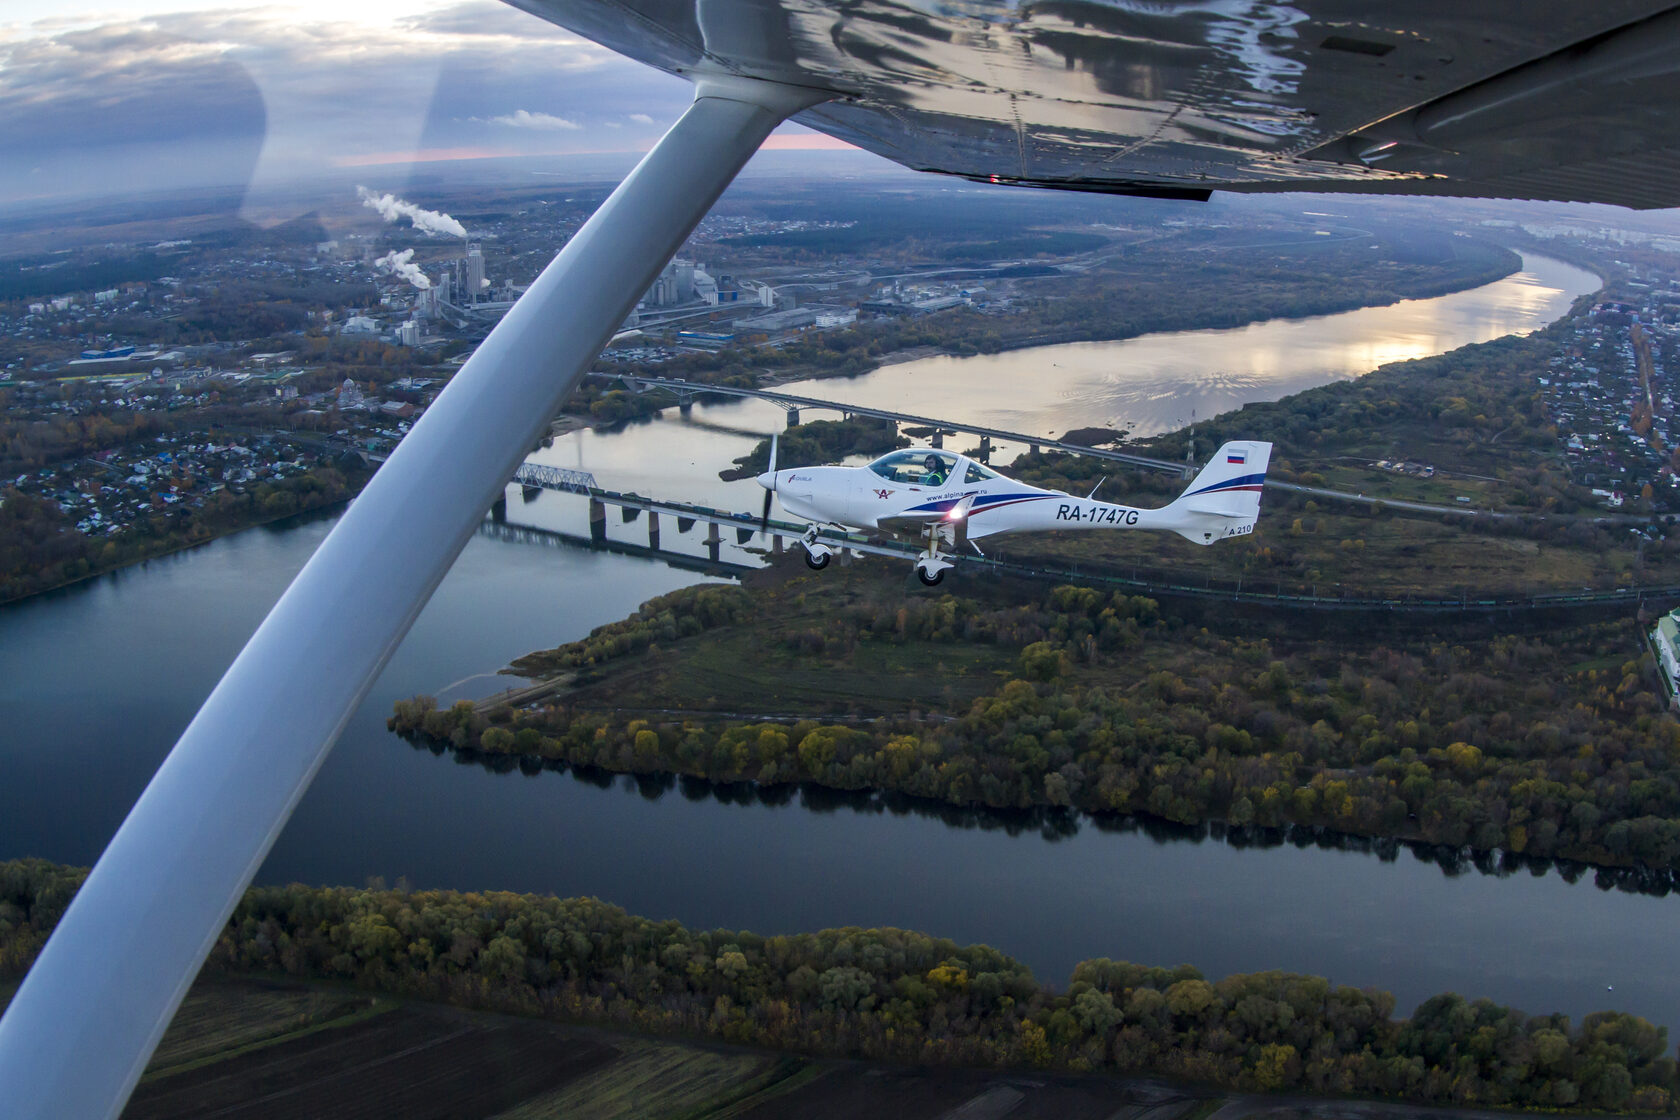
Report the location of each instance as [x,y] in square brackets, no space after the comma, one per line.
[949,517]
[910,526]
[1534,99]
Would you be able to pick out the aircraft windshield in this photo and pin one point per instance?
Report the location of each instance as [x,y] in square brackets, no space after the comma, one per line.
[916,467]
[977,473]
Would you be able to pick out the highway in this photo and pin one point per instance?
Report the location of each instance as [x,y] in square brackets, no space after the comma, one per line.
[1389,503]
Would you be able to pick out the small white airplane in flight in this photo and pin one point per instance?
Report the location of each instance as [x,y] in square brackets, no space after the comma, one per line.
[944,501]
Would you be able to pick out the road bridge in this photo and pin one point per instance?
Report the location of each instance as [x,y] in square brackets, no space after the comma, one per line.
[551,538]
[687,390]
[533,477]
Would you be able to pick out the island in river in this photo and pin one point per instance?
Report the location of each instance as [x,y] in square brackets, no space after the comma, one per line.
[1524,732]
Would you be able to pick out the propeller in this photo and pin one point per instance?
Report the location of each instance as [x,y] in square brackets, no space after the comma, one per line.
[769,488]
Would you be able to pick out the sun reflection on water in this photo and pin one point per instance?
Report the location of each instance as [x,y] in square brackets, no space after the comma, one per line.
[1154,383]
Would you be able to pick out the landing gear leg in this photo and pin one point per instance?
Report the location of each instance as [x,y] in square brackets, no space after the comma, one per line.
[932,565]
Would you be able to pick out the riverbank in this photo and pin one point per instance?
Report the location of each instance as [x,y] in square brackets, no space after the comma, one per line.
[886,995]
[1173,295]
[30,521]
[247,1031]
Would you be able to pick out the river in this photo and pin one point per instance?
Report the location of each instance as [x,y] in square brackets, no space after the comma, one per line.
[97,681]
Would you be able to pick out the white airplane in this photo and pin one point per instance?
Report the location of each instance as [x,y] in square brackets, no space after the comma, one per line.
[944,501]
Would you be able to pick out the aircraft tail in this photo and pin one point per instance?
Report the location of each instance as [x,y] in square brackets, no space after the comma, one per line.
[1224,499]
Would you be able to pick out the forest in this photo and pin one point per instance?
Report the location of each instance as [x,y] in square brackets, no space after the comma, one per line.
[899,996]
[1548,740]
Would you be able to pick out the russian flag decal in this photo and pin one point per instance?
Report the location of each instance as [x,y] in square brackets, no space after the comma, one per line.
[1237,457]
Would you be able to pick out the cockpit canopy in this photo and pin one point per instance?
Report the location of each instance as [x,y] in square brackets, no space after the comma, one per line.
[921,466]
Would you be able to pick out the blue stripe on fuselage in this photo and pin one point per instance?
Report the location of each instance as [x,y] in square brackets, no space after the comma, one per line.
[980,502]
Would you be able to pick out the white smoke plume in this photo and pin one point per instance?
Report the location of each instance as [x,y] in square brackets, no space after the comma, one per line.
[392,208]
[402,264]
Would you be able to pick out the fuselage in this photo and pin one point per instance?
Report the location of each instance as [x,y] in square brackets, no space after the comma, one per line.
[863,498]
[913,492]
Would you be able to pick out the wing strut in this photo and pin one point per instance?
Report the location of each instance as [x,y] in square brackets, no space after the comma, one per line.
[80,1030]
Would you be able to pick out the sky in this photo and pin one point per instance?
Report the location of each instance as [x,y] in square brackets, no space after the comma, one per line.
[115,96]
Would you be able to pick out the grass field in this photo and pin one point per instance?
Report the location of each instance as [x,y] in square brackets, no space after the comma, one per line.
[765,670]
[217,1022]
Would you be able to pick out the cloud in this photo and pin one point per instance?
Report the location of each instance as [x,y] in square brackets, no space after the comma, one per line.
[265,95]
[641,118]
[521,118]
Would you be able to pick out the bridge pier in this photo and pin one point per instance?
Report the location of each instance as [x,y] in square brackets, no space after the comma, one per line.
[938,439]
[712,553]
[597,519]
[1033,447]
[793,418]
[714,534]
[985,449]
[528,493]
[776,544]
[498,509]
[653,530]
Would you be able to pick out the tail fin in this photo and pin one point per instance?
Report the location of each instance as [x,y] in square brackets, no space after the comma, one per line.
[1224,499]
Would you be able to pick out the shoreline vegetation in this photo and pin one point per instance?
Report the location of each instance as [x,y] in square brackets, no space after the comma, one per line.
[899,996]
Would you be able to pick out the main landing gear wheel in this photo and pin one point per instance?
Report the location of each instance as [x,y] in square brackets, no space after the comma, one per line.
[816,561]
[930,579]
